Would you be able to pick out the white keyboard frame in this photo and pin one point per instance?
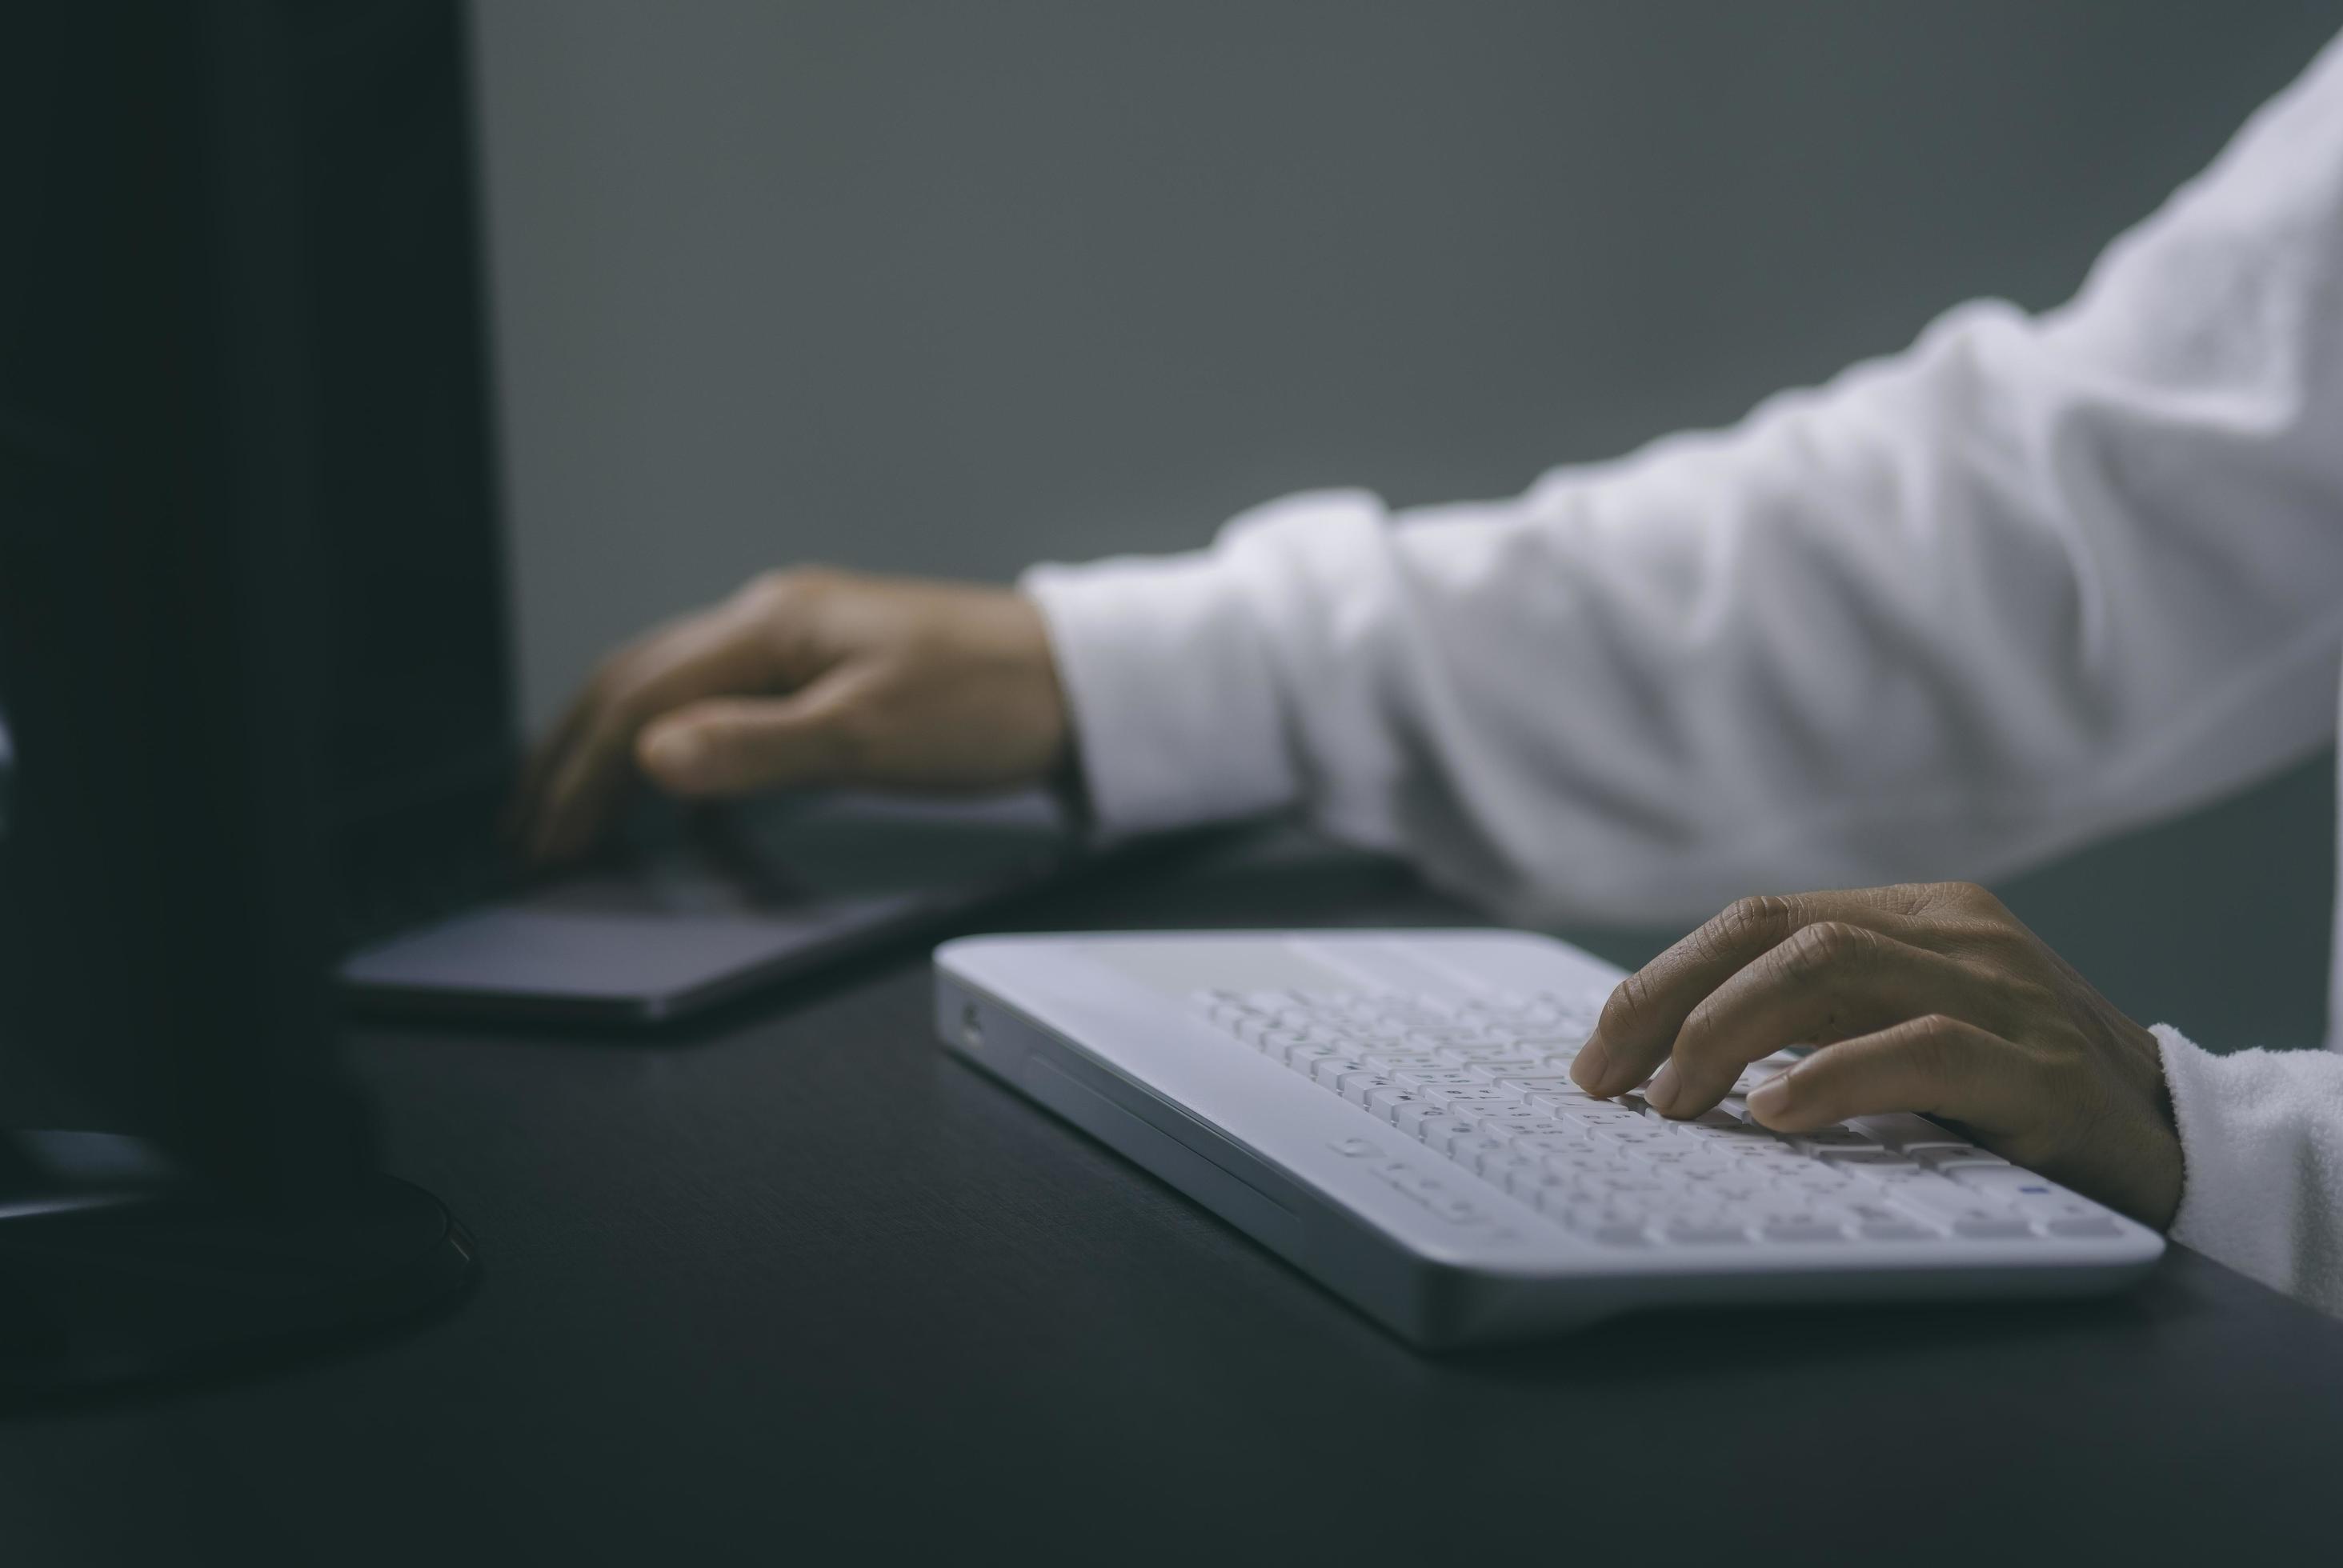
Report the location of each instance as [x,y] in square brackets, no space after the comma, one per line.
[1257,1144]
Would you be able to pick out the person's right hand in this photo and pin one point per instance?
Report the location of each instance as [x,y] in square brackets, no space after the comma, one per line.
[808,677]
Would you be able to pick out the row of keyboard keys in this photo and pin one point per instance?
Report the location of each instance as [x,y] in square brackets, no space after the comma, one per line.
[1469,1084]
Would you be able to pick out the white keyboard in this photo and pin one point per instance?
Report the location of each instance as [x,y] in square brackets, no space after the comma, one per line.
[1392,1112]
[1486,1084]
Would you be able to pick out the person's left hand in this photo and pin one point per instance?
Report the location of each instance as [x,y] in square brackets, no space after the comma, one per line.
[1932,999]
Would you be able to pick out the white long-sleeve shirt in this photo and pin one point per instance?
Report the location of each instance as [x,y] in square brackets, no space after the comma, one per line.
[2034,580]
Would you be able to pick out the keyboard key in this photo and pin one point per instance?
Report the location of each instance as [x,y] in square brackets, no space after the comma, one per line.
[2002,1180]
[1502,1171]
[1531,1182]
[2095,1227]
[1540,1144]
[1439,1131]
[1955,1208]
[1744,1132]
[1899,1130]
[1599,1113]
[1993,1228]
[1703,1232]
[1483,1093]
[1469,1150]
[1942,1154]
[1800,1230]
[1409,1115]
[1629,1136]
[1400,1061]
[1517,1118]
[1863,1157]
[1532,1083]
[1443,1079]
[1489,1060]
[1357,1086]
[1550,1044]
[1771,1203]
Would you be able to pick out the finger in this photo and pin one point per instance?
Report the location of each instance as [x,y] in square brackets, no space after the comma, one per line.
[723,747]
[1638,1025]
[722,650]
[1934,1065]
[1827,981]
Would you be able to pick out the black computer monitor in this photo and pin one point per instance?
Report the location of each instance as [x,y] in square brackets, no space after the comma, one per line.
[250,604]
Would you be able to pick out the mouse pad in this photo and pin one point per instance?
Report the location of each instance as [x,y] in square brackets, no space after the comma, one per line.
[692,906]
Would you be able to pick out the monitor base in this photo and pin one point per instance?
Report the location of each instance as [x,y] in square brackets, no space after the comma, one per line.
[167,1285]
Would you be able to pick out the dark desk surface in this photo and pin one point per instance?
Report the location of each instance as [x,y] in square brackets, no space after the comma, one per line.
[801,1289]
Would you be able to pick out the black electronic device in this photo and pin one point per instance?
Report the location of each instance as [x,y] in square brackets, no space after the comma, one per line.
[688,908]
[228,368]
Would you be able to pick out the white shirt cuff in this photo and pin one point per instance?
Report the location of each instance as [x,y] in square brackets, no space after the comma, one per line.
[2261,1149]
[1175,709]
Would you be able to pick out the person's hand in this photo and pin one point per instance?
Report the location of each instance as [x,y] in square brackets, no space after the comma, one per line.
[1931,999]
[809,676]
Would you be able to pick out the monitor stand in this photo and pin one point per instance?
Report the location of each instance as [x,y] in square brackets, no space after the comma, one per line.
[112,1269]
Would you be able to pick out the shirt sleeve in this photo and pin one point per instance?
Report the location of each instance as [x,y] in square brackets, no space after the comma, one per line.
[2261,1145]
[2036,579]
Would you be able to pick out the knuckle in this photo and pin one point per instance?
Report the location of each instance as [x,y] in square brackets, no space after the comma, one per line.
[1629,1004]
[1973,899]
[1912,898]
[1762,916]
[1934,1042]
[781,588]
[1825,946]
[1701,1034]
[1999,946]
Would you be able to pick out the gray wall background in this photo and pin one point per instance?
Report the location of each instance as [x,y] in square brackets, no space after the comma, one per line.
[948,288]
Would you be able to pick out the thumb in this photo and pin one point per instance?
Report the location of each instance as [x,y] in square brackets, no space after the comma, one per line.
[739,745]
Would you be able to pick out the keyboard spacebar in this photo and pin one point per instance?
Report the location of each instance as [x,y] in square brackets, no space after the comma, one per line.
[1224,1191]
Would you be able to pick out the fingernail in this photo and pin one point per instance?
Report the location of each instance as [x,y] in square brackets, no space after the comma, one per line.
[1593,1065]
[1773,1096]
[1661,1092]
